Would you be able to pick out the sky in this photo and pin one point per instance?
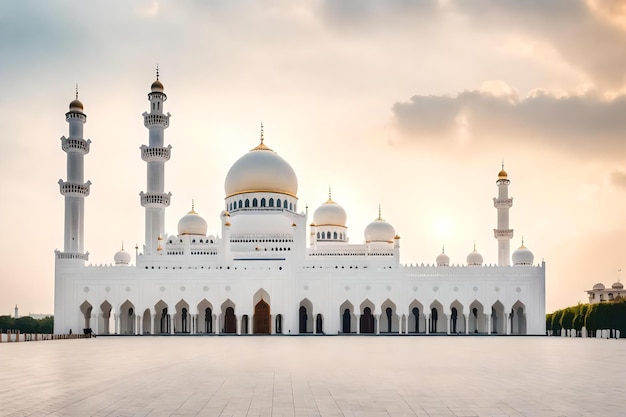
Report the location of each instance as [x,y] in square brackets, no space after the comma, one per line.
[410,105]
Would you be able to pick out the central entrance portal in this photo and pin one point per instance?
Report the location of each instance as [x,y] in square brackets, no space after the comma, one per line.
[262,322]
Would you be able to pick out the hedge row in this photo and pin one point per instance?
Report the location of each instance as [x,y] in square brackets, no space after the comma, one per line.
[27,324]
[605,315]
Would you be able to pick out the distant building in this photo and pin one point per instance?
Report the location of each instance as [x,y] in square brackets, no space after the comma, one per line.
[600,293]
[272,270]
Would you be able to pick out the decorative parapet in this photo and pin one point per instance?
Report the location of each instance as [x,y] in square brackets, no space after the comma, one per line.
[69,189]
[75,145]
[71,256]
[508,203]
[150,120]
[155,199]
[503,234]
[150,154]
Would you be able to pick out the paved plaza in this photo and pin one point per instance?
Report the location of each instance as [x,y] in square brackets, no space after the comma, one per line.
[314,376]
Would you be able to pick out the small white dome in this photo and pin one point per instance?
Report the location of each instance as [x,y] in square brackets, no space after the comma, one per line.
[379,231]
[330,214]
[261,170]
[598,286]
[474,258]
[443,259]
[617,286]
[523,256]
[121,257]
[192,224]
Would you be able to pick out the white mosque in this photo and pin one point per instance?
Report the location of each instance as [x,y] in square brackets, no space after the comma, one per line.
[259,276]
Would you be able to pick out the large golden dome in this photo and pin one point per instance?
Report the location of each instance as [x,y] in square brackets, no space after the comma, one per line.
[261,170]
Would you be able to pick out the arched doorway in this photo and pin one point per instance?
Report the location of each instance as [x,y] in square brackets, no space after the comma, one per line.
[367,321]
[319,324]
[86,309]
[302,328]
[346,319]
[453,319]
[262,323]
[434,316]
[230,321]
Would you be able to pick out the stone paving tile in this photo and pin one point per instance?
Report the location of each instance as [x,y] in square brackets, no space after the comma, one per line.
[334,376]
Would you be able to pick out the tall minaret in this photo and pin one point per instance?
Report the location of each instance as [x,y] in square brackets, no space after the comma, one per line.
[156,155]
[75,189]
[503,203]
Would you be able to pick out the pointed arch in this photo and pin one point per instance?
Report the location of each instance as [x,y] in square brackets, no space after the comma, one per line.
[127,318]
[477,322]
[205,317]
[498,322]
[518,318]
[162,318]
[261,294]
[389,319]
[262,321]
[437,318]
[347,317]
[104,324]
[146,323]
[305,316]
[457,317]
[417,318]
[182,318]
[86,309]
[367,321]
[228,320]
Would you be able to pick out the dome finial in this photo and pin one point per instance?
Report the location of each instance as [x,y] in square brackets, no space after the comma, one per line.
[193,209]
[157,71]
[122,245]
[379,213]
[329,193]
[474,246]
[261,146]
[502,175]
[76,91]
[262,132]
[443,248]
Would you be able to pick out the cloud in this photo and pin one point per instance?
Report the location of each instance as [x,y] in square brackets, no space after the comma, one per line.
[577,122]
[618,178]
[578,30]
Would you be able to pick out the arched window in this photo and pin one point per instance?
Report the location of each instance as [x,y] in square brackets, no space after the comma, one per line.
[340,236]
[239,203]
[262,202]
[318,235]
[271,202]
[291,206]
[278,202]
[416,315]
[327,235]
[285,204]
[247,203]
[335,235]
[255,202]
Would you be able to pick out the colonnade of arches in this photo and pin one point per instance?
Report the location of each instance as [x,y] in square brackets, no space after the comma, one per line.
[366,318]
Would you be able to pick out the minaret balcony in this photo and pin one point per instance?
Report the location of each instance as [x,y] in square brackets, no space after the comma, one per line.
[75,145]
[72,256]
[155,200]
[70,189]
[74,115]
[151,120]
[503,234]
[150,154]
[508,203]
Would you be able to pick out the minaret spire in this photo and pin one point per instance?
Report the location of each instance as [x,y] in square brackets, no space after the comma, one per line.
[502,233]
[75,189]
[155,154]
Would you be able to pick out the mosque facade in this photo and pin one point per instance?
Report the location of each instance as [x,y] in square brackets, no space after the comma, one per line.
[272,269]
